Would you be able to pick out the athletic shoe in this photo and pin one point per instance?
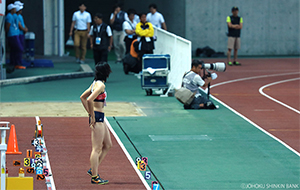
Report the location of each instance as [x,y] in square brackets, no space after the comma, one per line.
[230,63]
[77,60]
[237,63]
[81,62]
[98,180]
[19,67]
[90,172]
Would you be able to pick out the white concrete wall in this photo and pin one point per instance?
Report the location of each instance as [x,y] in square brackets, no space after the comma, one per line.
[271,27]
[53,28]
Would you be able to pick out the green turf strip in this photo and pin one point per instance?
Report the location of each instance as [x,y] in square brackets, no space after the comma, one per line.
[236,154]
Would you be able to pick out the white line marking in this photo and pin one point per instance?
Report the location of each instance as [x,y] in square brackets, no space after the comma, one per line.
[37,118]
[257,126]
[127,155]
[264,110]
[278,82]
[250,78]
[245,118]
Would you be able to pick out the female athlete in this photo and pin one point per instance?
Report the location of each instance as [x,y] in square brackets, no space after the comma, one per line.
[93,100]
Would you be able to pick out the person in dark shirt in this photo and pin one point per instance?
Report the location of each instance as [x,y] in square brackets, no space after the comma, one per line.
[100,38]
[116,21]
[235,24]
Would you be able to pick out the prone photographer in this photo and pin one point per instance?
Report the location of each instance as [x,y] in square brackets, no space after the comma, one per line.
[192,81]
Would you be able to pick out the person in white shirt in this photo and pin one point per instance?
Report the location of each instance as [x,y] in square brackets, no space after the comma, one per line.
[116,21]
[101,39]
[192,81]
[129,29]
[156,18]
[81,22]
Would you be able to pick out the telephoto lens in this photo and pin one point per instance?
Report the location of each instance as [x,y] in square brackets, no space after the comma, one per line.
[218,66]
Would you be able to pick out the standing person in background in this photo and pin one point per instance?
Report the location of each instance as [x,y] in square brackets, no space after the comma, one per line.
[101,39]
[81,21]
[235,24]
[144,30]
[12,31]
[129,29]
[116,21]
[156,18]
[22,27]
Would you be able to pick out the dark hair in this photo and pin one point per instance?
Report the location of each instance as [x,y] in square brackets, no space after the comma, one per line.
[99,15]
[143,13]
[234,9]
[131,11]
[102,71]
[153,6]
[81,4]
[196,62]
[118,5]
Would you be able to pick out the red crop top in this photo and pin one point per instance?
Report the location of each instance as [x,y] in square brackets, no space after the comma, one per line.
[101,97]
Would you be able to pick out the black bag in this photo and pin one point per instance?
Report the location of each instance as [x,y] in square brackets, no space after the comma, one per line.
[130,61]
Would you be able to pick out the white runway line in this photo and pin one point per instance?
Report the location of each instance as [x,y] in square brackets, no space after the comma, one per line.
[52,184]
[273,99]
[255,77]
[248,120]
[127,155]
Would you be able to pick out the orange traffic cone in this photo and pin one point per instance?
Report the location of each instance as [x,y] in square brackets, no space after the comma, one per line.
[12,146]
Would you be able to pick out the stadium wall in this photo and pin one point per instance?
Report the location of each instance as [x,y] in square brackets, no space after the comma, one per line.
[271,27]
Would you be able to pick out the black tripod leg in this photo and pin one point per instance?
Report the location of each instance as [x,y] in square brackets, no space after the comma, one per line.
[208,90]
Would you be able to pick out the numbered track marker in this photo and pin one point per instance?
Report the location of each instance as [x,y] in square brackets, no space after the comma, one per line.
[39,164]
[153,183]
[142,166]
[46,172]
[147,175]
[137,159]
[40,177]
[155,186]
[145,159]
[39,149]
[29,153]
[26,162]
[39,171]
[138,164]
[16,163]
[37,154]
[30,170]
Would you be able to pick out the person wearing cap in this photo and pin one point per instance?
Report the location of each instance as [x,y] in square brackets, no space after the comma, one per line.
[22,27]
[81,21]
[19,3]
[100,39]
[235,24]
[12,31]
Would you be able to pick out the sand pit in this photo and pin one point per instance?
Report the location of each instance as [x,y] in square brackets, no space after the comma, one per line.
[65,109]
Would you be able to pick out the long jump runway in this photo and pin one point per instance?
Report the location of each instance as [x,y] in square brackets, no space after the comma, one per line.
[252,139]
[68,144]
